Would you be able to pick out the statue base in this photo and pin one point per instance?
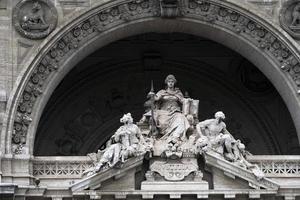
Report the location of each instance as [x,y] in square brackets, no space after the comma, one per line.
[174,186]
[180,174]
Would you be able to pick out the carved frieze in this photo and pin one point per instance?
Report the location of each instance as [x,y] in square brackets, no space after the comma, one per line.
[35,19]
[208,11]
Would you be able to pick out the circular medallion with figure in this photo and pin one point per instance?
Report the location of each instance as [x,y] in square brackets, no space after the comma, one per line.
[290,17]
[35,19]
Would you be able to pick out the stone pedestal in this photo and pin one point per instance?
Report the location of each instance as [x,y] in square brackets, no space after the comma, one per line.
[180,174]
[180,169]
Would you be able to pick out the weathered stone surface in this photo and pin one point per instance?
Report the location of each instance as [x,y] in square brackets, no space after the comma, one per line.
[95,180]
[213,159]
[174,186]
[174,170]
[211,12]
[16,168]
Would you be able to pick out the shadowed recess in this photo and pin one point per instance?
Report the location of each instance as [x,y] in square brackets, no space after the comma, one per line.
[85,108]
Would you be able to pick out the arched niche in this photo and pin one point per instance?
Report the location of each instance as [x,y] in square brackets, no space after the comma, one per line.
[85,108]
[229,23]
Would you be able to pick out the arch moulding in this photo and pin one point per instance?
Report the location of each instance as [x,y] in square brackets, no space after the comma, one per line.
[236,25]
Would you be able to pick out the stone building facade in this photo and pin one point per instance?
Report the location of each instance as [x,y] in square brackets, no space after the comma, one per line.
[69,69]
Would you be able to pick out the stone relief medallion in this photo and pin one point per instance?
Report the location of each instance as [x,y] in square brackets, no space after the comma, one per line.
[35,19]
[290,17]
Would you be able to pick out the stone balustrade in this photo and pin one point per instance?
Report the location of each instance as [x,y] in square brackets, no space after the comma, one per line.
[278,166]
[72,167]
[60,166]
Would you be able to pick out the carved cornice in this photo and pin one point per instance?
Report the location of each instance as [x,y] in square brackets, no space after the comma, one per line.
[207,11]
[95,180]
[214,160]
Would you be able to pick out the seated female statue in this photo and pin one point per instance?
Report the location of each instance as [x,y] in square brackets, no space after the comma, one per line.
[170,121]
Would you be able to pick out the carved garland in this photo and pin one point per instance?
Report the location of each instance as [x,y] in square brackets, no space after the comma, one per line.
[136,9]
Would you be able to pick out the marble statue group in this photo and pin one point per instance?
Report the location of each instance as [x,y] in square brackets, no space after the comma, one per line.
[170,129]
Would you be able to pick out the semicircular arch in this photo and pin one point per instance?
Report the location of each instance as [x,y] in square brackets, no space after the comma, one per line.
[231,24]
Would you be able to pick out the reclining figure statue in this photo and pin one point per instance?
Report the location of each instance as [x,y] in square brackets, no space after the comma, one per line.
[214,136]
[125,143]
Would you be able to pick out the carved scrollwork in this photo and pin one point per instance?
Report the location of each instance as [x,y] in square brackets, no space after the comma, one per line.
[250,29]
[20,128]
[208,11]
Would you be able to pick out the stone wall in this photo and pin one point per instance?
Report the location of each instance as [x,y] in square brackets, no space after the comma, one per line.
[16,50]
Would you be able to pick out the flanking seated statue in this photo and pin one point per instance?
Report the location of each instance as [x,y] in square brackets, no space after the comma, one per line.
[126,142]
[213,136]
